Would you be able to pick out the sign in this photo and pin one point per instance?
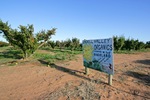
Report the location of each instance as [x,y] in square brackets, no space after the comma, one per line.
[98,54]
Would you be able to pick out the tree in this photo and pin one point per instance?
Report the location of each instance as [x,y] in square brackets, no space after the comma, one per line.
[119,42]
[58,43]
[140,45]
[24,37]
[68,43]
[52,44]
[127,45]
[115,38]
[75,43]
[132,44]
[44,36]
[135,44]
[62,45]
[148,44]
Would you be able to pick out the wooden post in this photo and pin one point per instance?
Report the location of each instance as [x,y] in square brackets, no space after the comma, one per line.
[86,70]
[110,79]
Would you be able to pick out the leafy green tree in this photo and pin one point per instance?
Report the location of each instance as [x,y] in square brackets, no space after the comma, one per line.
[24,37]
[58,43]
[148,44]
[62,45]
[52,44]
[115,38]
[44,36]
[136,42]
[75,43]
[68,43]
[127,45]
[140,45]
[119,42]
[131,44]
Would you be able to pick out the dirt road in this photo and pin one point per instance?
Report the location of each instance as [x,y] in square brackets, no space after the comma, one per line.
[34,80]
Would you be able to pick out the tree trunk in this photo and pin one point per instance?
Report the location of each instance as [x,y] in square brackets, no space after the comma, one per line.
[26,55]
[41,45]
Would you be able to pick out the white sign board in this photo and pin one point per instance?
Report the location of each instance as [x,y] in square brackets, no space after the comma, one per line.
[98,54]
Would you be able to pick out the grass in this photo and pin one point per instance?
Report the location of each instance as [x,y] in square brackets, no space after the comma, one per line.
[2,49]
[8,54]
[145,50]
[124,52]
[54,55]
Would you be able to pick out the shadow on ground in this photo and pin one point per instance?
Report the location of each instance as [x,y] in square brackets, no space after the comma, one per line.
[146,61]
[76,73]
[142,77]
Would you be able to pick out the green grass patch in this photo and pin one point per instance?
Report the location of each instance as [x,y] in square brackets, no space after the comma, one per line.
[14,54]
[65,50]
[8,54]
[2,49]
[145,50]
[54,55]
[125,52]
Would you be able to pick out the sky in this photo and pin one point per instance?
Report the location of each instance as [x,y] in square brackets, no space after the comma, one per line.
[83,19]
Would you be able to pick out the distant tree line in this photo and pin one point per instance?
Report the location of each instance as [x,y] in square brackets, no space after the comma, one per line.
[70,44]
[121,43]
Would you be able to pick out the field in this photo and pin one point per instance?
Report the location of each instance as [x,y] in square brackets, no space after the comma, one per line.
[60,75]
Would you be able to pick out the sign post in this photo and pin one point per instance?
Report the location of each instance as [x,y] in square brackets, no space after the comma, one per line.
[98,55]
[110,79]
[86,70]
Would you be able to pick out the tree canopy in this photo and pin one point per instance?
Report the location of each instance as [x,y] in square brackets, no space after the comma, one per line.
[120,43]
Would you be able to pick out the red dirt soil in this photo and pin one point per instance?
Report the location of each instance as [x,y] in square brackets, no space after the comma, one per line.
[34,80]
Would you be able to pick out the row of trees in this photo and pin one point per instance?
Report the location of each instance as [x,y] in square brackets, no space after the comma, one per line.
[71,44]
[120,43]
[25,38]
